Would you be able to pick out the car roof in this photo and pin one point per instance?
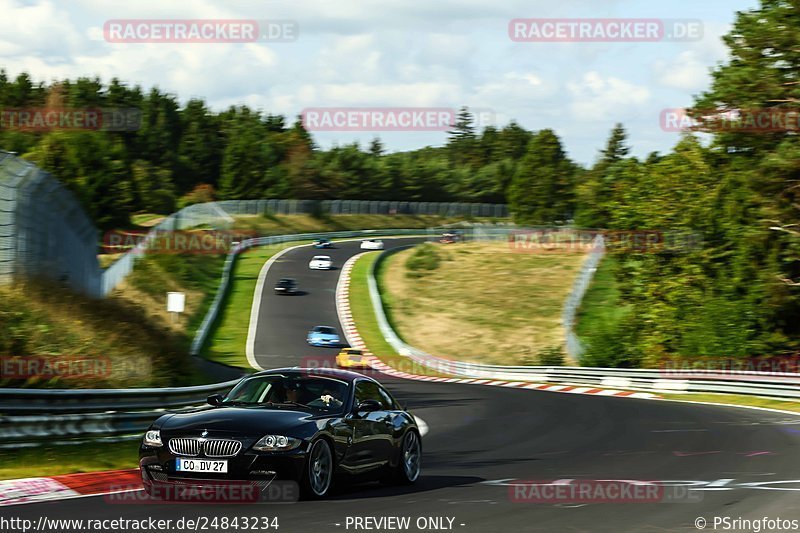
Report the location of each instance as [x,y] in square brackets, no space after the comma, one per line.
[322,257]
[344,375]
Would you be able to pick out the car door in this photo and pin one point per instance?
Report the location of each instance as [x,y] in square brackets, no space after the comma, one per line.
[371,446]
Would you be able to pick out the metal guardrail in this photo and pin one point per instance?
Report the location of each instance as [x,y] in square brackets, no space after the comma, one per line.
[31,416]
[771,384]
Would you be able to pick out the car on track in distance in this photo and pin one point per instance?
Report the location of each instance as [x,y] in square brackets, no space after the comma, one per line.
[450,237]
[286,286]
[320,262]
[323,336]
[351,358]
[372,244]
[322,243]
[312,426]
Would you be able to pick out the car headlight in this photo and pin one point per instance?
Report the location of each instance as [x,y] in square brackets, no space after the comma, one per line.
[153,438]
[276,443]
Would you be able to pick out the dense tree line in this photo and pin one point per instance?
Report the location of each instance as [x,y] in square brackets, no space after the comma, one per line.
[737,293]
[183,154]
[733,295]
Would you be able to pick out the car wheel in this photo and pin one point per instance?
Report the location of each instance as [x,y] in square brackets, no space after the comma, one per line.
[409,463]
[318,475]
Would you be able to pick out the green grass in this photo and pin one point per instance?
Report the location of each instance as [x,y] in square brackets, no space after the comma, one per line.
[601,303]
[44,319]
[68,459]
[737,399]
[146,219]
[367,324]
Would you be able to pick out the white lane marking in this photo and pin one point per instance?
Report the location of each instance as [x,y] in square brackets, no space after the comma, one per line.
[257,296]
[768,409]
[423,426]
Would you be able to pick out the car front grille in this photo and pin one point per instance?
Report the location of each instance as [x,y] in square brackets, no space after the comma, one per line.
[192,447]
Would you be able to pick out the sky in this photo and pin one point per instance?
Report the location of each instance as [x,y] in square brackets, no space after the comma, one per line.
[395,54]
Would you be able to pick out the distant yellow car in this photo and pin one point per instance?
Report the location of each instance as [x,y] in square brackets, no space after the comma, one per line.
[351,358]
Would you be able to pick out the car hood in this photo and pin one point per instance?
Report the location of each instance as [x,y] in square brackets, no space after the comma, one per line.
[241,421]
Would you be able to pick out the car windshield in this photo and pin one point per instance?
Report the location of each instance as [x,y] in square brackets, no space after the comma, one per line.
[325,330]
[321,258]
[318,393]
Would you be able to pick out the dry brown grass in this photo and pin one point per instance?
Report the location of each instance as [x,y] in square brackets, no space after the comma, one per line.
[484,303]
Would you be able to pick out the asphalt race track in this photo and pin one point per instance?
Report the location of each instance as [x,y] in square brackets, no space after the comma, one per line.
[741,462]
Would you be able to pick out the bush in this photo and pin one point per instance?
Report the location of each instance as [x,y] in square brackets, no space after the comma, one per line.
[551,356]
[425,258]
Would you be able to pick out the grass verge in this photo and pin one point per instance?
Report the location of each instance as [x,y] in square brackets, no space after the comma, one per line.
[601,303]
[737,399]
[68,459]
[480,301]
[364,318]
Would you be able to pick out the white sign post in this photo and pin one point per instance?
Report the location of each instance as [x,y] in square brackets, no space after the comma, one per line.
[176,303]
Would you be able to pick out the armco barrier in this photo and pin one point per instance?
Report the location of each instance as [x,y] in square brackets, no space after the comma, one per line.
[772,384]
[30,416]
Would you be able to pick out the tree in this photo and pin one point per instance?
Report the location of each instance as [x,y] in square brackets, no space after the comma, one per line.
[542,189]
[596,190]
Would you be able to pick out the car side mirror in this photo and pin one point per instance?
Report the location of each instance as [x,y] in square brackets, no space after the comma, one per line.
[368,406]
[215,400]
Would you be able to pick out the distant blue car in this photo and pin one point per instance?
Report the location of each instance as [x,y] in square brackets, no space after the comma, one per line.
[323,243]
[323,336]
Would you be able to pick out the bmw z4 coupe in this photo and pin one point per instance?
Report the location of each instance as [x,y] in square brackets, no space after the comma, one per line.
[316,427]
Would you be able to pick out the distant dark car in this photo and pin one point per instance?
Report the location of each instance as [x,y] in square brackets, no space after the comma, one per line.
[313,426]
[286,286]
[323,243]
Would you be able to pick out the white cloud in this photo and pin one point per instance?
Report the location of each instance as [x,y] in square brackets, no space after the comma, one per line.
[685,72]
[598,98]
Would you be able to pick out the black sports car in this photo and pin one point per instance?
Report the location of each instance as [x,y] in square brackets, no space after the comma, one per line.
[307,425]
[286,286]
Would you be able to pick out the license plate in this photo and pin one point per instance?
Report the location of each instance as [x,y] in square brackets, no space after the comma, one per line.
[201,465]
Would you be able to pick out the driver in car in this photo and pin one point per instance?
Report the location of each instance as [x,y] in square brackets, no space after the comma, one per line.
[329,399]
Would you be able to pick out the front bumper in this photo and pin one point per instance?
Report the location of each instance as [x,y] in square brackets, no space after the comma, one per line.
[257,468]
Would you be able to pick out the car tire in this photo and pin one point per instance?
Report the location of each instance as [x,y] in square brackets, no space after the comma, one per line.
[409,461]
[318,472]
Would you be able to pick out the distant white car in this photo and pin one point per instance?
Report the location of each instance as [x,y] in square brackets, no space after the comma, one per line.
[320,262]
[372,244]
